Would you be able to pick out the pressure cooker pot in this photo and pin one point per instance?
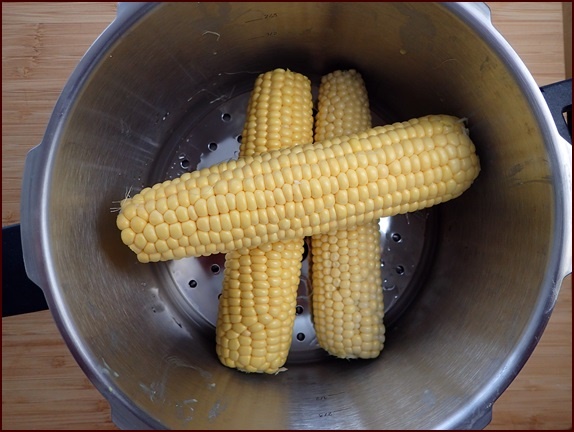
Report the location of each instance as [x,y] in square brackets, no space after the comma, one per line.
[469,285]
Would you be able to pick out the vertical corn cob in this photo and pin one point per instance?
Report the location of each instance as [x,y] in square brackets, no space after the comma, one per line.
[257,305]
[305,190]
[345,273]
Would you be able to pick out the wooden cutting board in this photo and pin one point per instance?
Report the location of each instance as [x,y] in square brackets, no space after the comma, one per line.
[42,385]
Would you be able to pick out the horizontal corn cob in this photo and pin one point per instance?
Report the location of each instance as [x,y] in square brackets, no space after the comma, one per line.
[301,191]
[346,278]
[257,305]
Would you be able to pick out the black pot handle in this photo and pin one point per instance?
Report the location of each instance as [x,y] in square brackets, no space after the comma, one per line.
[558,96]
[19,294]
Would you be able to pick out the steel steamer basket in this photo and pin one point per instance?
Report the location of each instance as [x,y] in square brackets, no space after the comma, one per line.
[469,285]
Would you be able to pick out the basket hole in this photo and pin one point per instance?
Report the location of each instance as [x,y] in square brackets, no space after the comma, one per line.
[226,117]
[192,283]
[396,237]
[298,310]
[239,138]
[212,146]
[184,164]
[215,269]
[400,269]
[300,337]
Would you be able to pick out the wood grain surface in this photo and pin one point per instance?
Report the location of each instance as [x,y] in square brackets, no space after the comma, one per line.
[42,385]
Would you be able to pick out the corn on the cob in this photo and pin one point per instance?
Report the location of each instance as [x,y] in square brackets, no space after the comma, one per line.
[257,306]
[301,191]
[347,296]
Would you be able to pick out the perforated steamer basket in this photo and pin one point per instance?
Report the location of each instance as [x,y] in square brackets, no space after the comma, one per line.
[469,285]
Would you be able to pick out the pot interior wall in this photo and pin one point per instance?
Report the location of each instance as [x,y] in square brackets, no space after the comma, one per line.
[177,65]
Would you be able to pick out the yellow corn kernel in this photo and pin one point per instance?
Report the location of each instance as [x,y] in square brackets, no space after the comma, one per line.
[383,200]
[343,109]
[269,273]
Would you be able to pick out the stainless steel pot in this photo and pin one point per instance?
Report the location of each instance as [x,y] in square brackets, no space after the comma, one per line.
[469,286]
